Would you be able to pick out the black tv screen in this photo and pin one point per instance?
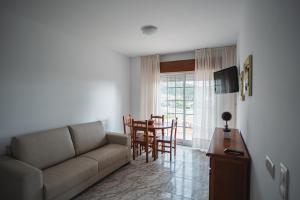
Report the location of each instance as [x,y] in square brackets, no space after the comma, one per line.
[226,80]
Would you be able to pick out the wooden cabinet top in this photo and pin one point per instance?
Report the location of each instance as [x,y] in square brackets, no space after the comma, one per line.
[219,143]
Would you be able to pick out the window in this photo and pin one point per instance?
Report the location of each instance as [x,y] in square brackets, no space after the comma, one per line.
[177,100]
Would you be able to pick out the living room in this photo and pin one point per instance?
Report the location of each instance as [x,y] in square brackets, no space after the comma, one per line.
[66,65]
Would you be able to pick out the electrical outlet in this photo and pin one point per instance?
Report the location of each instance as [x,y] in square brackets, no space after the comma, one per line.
[283,181]
[270,166]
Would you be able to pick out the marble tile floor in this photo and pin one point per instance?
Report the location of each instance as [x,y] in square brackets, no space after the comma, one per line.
[184,178]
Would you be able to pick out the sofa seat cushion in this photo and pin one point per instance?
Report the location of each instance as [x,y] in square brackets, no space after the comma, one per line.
[87,136]
[109,155]
[44,149]
[63,177]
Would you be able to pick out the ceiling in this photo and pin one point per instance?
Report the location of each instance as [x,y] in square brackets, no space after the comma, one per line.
[182,24]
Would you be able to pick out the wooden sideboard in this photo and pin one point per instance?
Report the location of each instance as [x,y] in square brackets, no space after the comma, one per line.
[229,175]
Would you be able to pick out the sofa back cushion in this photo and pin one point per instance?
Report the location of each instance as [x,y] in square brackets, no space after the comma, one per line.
[44,149]
[87,136]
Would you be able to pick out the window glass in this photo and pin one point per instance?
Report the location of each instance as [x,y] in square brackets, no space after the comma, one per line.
[179,94]
[177,100]
[189,107]
[171,107]
[189,94]
[171,93]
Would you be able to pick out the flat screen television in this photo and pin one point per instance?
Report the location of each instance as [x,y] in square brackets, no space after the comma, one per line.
[226,80]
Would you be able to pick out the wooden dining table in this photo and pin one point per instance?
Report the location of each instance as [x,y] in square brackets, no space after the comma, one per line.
[154,128]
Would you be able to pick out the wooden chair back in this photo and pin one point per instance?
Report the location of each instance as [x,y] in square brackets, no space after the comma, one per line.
[158,118]
[127,120]
[169,143]
[141,126]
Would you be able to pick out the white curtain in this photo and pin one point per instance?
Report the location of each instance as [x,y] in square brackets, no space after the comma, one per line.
[150,74]
[208,107]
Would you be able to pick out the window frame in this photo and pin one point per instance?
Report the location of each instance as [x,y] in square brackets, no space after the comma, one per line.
[184,100]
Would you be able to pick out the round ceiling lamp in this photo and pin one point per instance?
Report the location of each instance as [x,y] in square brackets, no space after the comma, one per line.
[148,29]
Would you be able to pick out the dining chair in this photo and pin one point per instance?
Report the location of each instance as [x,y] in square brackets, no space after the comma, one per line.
[168,142]
[142,140]
[127,126]
[158,118]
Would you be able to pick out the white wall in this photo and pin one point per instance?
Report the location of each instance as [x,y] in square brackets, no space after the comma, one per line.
[135,86]
[49,79]
[269,120]
[177,56]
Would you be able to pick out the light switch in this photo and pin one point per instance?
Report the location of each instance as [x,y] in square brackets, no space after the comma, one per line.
[283,181]
[270,166]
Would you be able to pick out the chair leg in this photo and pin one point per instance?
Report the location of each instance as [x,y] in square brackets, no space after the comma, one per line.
[171,151]
[157,147]
[175,148]
[154,150]
[140,152]
[146,148]
[163,147]
[133,152]
[152,154]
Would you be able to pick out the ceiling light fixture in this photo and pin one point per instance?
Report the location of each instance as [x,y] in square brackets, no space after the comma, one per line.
[148,29]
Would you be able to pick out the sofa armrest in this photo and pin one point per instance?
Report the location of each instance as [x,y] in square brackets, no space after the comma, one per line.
[118,138]
[19,180]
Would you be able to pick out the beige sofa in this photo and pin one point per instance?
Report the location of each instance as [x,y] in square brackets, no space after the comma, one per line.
[60,163]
